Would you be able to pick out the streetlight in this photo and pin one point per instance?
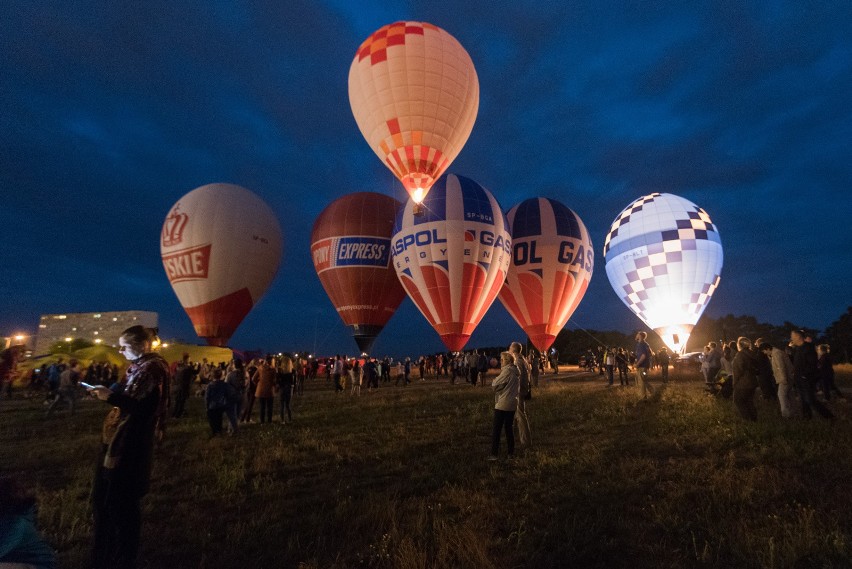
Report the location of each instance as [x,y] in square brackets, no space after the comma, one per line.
[68,340]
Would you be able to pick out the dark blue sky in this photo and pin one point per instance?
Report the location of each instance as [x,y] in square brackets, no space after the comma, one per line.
[113,110]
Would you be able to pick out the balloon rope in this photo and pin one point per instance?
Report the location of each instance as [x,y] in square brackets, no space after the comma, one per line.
[333,329]
[589,334]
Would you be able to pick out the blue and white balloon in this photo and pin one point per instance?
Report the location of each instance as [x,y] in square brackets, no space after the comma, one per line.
[664,259]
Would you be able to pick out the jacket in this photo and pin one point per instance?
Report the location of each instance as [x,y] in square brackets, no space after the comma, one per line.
[265,381]
[506,388]
[782,367]
[745,370]
[140,410]
[805,364]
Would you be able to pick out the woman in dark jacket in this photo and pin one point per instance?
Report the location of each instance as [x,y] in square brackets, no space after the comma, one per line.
[745,379]
[124,465]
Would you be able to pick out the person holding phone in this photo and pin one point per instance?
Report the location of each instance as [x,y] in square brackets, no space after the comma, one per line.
[124,463]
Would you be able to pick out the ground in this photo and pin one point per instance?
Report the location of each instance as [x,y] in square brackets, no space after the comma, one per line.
[399,478]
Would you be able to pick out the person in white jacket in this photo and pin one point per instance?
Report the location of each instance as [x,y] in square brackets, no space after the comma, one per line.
[782,370]
[506,388]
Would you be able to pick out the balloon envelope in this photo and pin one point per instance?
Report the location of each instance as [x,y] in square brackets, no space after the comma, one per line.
[221,246]
[552,264]
[664,259]
[350,247]
[452,259]
[415,94]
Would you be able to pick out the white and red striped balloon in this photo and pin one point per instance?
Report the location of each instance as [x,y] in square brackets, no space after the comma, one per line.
[552,264]
[452,259]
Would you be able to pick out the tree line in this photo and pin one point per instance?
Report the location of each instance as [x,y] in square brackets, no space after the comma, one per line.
[571,344]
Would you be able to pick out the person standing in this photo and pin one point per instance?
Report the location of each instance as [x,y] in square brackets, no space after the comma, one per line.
[251,389]
[506,395]
[236,380]
[127,448]
[643,363]
[609,364]
[473,366]
[714,361]
[183,378]
[535,367]
[68,385]
[521,417]
[265,392]
[746,368]
[826,373]
[765,380]
[782,372]
[216,400]
[621,362]
[286,380]
[806,375]
[338,373]
[664,361]
[709,380]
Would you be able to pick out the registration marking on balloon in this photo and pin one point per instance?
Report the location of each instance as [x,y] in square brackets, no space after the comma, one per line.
[453,259]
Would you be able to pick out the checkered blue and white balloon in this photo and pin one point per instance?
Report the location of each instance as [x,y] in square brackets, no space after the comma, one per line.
[664,259]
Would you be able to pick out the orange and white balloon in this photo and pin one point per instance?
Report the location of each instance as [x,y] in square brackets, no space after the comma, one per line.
[415,94]
[221,247]
[552,264]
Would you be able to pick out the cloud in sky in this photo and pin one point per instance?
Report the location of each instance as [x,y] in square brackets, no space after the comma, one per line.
[113,111]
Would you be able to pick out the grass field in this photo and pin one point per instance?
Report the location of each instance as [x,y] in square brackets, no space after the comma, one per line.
[398,479]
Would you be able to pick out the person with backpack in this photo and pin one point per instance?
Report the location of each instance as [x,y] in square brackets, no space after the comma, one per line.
[524,394]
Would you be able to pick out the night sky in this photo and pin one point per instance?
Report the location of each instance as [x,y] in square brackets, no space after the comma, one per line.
[111,111]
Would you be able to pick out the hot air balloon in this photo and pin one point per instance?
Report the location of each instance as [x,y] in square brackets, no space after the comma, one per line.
[221,246]
[552,263]
[415,94]
[663,259]
[350,246]
[452,259]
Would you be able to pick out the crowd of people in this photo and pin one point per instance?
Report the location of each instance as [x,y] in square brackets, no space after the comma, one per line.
[151,391]
[782,375]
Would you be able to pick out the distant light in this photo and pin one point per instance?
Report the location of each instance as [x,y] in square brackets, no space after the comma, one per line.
[165,345]
[114,319]
[19,337]
[98,340]
[96,332]
[68,339]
